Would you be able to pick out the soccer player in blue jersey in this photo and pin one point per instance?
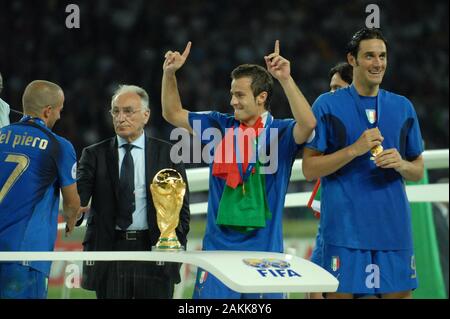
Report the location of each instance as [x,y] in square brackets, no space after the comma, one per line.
[4,107]
[35,165]
[367,143]
[245,204]
[341,76]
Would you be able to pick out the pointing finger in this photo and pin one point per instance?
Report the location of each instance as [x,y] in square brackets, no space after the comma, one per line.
[277,47]
[187,50]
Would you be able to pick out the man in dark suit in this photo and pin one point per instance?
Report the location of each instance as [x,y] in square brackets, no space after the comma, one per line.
[115,174]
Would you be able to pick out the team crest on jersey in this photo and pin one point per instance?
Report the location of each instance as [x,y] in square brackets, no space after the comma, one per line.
[371,116]
[202,277]
[413,267]
[335,263]
[271,267]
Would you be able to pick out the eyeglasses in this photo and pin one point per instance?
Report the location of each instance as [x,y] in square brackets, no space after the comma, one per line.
[126,111]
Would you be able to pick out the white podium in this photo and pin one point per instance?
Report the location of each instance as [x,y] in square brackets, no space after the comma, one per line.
[242,271]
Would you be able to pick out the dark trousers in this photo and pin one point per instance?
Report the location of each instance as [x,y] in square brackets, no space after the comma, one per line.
[135,279]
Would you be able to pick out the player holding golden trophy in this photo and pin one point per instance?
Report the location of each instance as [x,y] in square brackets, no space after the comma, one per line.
[168,189]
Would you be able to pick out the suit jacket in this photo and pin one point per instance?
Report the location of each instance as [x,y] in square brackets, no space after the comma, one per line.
[98,178]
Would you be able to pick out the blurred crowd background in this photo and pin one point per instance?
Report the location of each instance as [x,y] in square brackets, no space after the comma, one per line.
[125,41]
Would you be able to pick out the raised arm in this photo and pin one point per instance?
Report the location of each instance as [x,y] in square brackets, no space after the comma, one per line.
[280,68]
[172,109]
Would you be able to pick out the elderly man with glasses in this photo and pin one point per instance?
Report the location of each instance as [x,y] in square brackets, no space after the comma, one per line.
[115,175]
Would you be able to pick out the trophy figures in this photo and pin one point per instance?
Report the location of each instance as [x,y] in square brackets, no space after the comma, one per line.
[168,189]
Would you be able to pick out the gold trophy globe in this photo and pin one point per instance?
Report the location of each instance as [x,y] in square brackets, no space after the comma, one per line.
[168,189]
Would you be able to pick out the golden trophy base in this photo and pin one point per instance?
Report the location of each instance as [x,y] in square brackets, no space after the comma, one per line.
[168,244]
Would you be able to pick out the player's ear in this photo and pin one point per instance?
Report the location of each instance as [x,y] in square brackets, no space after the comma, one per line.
[47,111]
[261,98]
[351,59]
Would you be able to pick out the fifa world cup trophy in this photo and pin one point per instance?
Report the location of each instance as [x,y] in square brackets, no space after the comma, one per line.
[168,189]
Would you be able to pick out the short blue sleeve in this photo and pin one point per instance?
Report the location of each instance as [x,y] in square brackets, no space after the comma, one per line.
[67,163]
[414,142]
[286,137]
[207,125]
[319,142]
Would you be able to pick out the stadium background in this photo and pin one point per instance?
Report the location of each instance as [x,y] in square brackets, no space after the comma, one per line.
[125,41]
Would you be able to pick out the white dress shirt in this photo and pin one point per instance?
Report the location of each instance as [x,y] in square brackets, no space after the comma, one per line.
[138,153]
[4,113]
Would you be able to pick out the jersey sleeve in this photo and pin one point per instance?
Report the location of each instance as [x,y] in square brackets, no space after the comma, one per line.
[319,140]
[67,164]
[207,124]
[287,140]
[414,142]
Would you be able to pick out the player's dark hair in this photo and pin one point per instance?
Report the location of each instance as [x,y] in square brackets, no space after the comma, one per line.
[262,81]
[344,69]
[364,34]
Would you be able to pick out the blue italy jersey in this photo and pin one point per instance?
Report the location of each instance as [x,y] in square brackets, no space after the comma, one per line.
[280,154]
[34,164]
[363,206]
